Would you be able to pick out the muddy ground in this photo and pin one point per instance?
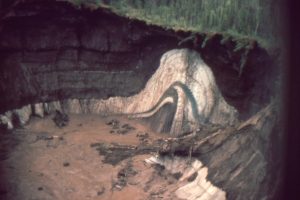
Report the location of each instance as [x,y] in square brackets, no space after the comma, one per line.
[42,161]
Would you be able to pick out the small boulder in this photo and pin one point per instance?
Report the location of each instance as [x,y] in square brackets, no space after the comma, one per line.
[5,121]
[21,116]
[38,109]
[61,119]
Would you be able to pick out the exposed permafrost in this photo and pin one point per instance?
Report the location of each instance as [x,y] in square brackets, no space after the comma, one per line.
[183,86]
[184,77]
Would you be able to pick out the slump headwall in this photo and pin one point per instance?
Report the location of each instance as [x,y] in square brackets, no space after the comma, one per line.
[52,50]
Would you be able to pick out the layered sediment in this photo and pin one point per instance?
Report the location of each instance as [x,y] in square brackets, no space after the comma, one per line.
[183,84]
[55,56]
[53,51]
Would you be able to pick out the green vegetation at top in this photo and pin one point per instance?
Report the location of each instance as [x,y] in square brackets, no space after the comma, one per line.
[257,19]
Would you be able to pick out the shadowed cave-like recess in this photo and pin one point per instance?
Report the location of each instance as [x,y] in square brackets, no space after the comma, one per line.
[57,56]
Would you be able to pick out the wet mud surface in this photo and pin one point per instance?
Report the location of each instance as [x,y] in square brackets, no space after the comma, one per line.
[43,161]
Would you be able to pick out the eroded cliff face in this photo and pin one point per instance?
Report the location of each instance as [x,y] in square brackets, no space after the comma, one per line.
[53,51]
[54,56]
[180,97]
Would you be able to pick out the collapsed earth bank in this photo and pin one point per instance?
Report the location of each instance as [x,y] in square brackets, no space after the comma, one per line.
[55,56]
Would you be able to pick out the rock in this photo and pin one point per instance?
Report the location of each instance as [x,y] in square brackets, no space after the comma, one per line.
[100,192]
[113,122]
[122,132]
[124,174]
[22,115]
[54,106]
[61,119]
[44,136]
[72,106]
[127,127]
[143,138]
[38,109]
[46,108]
[177,175]
[6,121]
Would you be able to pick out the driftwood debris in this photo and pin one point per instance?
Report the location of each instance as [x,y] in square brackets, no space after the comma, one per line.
[114,153]
[193,144]
[188,145]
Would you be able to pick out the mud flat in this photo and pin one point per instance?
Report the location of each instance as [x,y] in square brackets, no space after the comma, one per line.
[42,161]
